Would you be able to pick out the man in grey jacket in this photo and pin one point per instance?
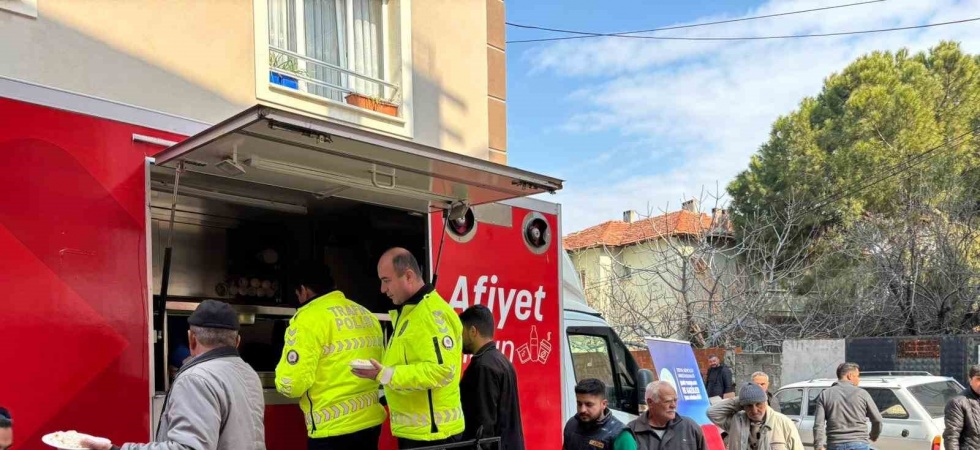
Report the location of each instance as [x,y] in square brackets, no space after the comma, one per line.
[963,416]
[216,401]
[839,421]
[661,427]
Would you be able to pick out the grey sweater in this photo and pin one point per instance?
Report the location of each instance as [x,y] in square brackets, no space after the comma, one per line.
[841,413]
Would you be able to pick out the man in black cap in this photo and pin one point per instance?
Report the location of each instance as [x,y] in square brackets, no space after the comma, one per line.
[216,401]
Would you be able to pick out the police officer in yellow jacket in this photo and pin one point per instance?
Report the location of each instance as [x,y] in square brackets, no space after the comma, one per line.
[327,333]
[421,367]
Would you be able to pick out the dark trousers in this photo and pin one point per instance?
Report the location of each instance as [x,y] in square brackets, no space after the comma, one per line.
[408,443]
[359,440]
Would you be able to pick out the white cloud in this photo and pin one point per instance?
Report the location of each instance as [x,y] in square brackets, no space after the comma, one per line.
[707,106]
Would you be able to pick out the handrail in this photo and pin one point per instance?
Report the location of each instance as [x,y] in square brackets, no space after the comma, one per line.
[334,67]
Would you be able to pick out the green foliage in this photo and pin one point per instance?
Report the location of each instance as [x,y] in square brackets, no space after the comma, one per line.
[870,120]
[886,161]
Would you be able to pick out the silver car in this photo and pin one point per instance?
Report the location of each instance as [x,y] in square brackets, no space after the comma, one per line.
[911,404]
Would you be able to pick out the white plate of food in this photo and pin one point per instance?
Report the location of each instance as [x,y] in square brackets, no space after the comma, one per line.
[362,364]
[68,440]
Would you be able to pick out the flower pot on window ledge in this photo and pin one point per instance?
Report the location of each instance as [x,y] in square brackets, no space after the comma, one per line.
[381,106]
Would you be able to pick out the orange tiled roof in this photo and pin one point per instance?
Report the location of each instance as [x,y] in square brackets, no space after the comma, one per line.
[617,233]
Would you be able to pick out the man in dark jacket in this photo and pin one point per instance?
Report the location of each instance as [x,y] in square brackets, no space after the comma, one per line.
[719,382]
[488,389]
[593,426]
[962,417]
[661,427]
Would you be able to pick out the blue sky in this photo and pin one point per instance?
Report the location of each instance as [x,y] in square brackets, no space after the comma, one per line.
[643,125]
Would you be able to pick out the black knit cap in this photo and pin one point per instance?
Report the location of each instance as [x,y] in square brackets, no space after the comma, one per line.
[214,314]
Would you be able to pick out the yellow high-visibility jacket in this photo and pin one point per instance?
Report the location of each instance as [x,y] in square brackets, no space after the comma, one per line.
[323,337]
[422,371]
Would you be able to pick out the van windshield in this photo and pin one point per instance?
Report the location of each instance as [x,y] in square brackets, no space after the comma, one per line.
[934,396]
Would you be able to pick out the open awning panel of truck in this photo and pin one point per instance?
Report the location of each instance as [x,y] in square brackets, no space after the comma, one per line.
[280,149]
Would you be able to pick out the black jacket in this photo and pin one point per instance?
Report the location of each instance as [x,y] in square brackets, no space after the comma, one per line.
[962,417]
[682,434]
[488,391]
[719,381]
[592,435]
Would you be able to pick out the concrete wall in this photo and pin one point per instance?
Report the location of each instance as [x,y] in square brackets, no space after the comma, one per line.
[199,60]
[748,363]
[808,359]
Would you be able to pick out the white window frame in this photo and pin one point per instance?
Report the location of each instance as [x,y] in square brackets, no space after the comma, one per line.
[398,67]
[345,41]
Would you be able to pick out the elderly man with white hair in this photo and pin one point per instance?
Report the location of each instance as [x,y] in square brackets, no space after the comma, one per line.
[762,379]
[661,427]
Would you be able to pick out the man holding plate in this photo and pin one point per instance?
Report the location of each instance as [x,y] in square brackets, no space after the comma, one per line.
[216,401]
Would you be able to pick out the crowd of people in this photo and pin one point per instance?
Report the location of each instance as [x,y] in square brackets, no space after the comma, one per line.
[751,420]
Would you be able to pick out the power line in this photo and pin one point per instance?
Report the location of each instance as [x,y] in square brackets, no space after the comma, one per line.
[583,34]
[790,36]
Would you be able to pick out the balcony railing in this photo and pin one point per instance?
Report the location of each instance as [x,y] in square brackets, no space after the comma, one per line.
[330,81]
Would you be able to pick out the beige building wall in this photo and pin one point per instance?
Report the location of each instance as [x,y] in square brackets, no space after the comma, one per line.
[199,60]
[187,58]
[449,42]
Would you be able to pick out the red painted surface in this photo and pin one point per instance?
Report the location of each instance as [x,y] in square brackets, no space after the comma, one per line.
[73,240]
[72,234]
[712,437]
[74,317]
[498,251]
[285,428]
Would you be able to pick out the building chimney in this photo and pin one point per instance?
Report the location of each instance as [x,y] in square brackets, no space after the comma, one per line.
[690,205]
[630,216]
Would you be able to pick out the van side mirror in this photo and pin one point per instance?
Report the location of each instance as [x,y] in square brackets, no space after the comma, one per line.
[643,378]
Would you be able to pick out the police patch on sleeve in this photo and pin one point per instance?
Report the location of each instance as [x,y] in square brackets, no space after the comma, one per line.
[448,342]
[292,357]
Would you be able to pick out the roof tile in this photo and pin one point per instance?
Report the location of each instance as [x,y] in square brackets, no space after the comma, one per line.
[618,233]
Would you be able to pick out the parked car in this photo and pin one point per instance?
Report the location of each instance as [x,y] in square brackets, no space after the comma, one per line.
[911,404]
